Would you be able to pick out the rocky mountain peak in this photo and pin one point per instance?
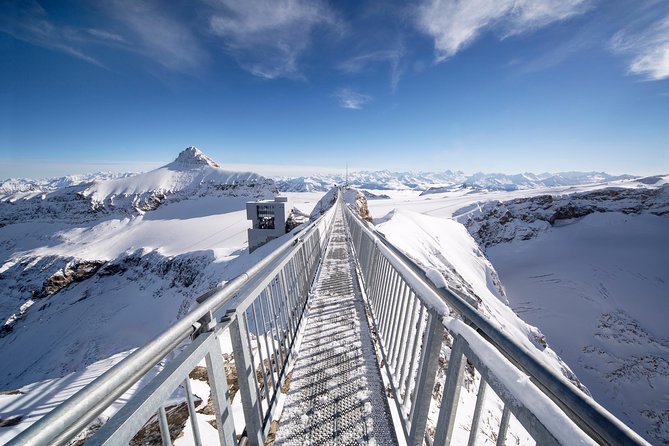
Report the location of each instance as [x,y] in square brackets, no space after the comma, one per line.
[192,156]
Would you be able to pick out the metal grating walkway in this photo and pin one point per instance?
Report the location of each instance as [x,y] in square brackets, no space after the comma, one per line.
[336,393]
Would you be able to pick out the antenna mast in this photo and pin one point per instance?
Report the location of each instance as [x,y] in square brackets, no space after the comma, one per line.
[346,175]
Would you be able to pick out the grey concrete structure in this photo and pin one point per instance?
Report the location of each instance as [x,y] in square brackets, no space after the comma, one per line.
[269,220]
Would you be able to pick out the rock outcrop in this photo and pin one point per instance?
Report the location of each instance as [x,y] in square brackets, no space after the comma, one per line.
[524,218]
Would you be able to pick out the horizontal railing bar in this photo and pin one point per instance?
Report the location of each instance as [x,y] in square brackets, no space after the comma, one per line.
[104,396]
[122,427]
[66,420]
[590,416]
[526,414]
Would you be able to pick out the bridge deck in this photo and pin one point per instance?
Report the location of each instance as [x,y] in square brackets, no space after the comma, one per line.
[336,393]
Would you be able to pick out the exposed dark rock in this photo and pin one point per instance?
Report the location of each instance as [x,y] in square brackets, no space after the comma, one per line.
[371,196]
[73,272]
[7,422]
[149,435]
[524,218]
[11,392]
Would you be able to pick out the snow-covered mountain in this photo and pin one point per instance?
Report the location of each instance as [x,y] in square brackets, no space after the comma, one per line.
[439,182]
[22,188]
[192,174]
[426,182]
[524,218]
[503,182]
[589,269]
[498,181]
[377,180]
[90,270]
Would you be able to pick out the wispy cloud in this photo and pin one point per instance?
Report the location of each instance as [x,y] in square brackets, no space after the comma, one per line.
[649,49]
[267,37]
[454,24]
[28,21]
[393,57]
[148,31]
[164,39]
[106,35]
[351,99]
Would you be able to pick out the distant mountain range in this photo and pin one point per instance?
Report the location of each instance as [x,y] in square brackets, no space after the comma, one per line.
[438,182]
[425,182]
[374,180]
[16,188]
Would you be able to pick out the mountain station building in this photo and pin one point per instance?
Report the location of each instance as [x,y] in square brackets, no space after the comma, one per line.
[269,220]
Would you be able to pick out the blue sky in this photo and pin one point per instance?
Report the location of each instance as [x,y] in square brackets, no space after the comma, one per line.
[296,86]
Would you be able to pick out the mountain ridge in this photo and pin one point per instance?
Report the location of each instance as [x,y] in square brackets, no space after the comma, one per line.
[425,182]
[445,181]
[191,174]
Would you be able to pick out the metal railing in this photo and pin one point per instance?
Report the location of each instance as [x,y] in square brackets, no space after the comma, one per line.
[263,321]
[263,317]
[413,324]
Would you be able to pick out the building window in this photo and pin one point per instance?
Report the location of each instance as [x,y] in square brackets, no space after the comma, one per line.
[265,217]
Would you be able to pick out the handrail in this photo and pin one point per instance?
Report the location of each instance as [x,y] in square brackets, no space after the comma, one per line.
[411,318]
[587,414]
[68,419]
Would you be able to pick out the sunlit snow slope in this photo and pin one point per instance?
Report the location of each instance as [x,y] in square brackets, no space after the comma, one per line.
[598,287]
[586,265]
[92,270]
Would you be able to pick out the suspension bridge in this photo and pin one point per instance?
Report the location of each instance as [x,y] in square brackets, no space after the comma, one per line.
[336,339]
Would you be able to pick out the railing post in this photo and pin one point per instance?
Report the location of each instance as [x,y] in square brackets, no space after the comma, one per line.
[429,360]
[503,426]
[480,400]
[191,411]
[247,378]
[220,395]
[449,402]
[164,427]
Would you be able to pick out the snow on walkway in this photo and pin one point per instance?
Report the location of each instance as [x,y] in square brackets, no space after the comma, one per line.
[336,394]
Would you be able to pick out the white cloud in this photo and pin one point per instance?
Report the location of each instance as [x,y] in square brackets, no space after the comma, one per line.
[351,99]
[454,24]
[392,57]
[649,49]
[267,37]
[150,33]
[106,35]
[158,36]
[29,22]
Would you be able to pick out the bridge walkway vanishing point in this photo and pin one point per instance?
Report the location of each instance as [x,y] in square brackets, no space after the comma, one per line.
[336,392]
[296,320]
